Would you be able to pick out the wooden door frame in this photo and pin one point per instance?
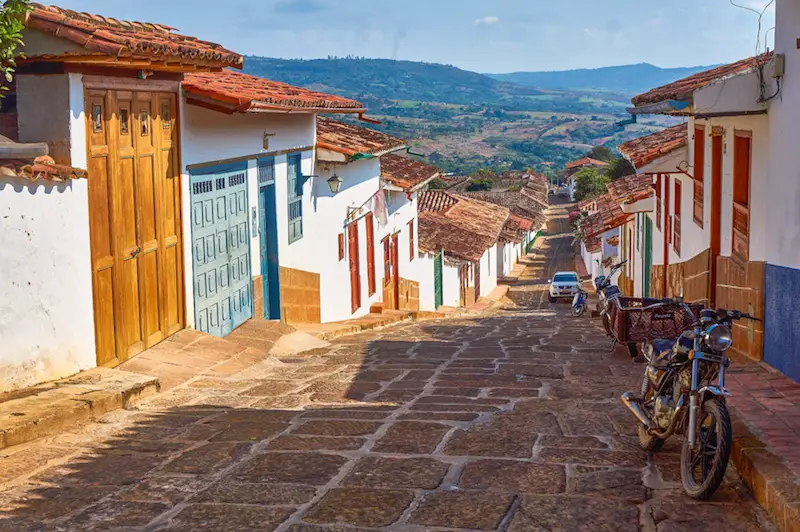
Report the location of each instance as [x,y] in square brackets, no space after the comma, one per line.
[666,231]
[715,233]
[394,254]
[369,221]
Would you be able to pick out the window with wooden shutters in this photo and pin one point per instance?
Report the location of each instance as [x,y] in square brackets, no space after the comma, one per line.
[658,201]
[341,246]
[742,145]
[676,240]
[411,240]
[699,174]
[295,197]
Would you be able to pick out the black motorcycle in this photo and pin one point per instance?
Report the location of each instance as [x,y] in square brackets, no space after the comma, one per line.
[683,392]
[608,294]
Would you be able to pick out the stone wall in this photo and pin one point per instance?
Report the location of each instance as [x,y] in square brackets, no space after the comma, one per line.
[300,296]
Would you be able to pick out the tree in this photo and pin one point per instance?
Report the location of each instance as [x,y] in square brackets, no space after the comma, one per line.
[437,184]
[12,16]
[590,183]
[620,167]
[601,153]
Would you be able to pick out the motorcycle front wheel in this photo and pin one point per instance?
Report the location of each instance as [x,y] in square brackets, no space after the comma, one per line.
[648,442]
[579,310]
[703,468]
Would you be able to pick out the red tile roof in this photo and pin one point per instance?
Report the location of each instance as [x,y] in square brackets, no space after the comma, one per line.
[609,216]
[631,188]
[40,168]
[245,93]
[683,88]
[644,150]
[519,204]
[464,228]
[405,172]
[593,244]
[352,140]
[515,229]
[585,161]
[130,40]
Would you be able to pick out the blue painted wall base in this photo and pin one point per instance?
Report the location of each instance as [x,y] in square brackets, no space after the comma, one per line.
[781,320]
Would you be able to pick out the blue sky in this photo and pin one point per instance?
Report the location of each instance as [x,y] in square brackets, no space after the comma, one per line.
[496,36]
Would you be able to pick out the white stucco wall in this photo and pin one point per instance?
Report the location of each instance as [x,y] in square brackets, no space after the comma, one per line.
[46,313]
[489,270]
[427,286]
[450,285]
[783,215]
[696,239]
[360,182]
[208,136]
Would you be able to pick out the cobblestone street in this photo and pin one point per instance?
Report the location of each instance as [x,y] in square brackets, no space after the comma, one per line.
[504,421]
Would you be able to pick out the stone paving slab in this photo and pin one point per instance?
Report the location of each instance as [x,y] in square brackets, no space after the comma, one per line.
[474,422]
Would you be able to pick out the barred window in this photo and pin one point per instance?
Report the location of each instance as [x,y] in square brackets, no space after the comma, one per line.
[295,196]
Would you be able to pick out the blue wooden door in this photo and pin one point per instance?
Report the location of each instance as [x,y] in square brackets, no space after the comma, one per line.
[221,249]
[268,228]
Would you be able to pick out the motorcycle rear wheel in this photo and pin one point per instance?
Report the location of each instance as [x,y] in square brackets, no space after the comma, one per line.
[712,453]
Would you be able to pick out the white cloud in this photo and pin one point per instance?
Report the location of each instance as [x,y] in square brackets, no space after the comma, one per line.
[486,21]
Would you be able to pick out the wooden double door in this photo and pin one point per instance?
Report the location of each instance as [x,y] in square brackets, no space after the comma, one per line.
[135,220]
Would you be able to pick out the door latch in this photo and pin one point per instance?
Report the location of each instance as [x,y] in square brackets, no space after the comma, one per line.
[135,253]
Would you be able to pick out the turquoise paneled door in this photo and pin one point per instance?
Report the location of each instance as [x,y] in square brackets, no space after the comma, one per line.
[221,249]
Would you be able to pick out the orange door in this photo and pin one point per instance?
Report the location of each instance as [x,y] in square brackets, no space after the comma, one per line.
[355,270]
[135,221]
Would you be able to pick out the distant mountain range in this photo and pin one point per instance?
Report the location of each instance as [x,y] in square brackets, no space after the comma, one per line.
[628,79]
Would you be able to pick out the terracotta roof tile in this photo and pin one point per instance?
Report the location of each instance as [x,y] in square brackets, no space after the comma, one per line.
[405,172]
[464,228]
[683,88]
[245,93]
[644,150]
[609,216]
[585,161]
[136,40]
[631,188]
[519,204]
[352,140]
[515,229]
[593,244]
[40,168]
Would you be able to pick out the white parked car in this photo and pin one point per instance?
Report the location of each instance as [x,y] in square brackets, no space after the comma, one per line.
[564,285]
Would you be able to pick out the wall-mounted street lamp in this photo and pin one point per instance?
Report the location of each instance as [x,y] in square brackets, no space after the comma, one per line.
[335,182]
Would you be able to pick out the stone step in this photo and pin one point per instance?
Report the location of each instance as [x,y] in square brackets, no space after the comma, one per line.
[64,404]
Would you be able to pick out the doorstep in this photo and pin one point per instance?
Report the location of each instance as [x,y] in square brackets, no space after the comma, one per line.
[53,407]
[373,320]
[765,409]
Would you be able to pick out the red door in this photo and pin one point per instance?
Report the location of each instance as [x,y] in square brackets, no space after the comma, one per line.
[667,233]
[370,252]
[355,273]
[716,210]
[396,271]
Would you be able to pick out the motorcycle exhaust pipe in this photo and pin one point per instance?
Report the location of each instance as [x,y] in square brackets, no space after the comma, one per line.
[633,405]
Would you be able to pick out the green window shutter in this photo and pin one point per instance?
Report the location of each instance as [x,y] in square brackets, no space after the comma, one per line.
[295,197]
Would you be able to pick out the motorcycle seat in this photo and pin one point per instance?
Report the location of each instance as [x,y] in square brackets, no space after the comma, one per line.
[612,291]
[662,346]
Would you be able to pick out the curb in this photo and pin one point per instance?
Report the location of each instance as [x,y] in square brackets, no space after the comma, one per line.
[84,397]
[773,484]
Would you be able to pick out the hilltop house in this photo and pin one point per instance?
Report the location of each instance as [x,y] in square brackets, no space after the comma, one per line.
[460,236]
[573,167]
